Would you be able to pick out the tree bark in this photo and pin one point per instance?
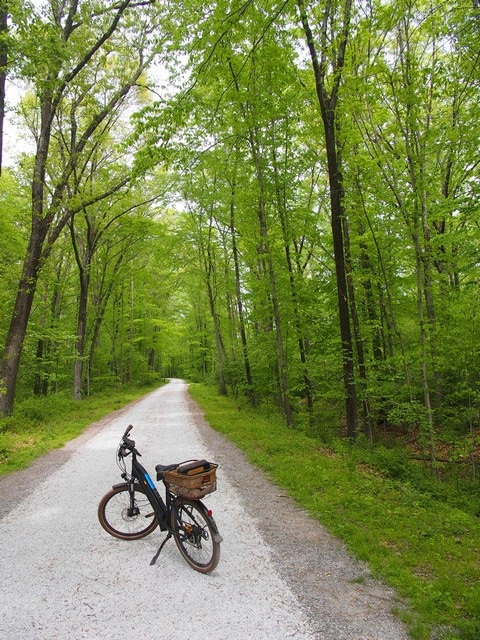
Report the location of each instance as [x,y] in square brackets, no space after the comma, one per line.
[208,263]
[266,254]
[328,104]
[23,304]
[284,221]
[264,250]
[238,292]
[43,222]
[81,332]
[3,69]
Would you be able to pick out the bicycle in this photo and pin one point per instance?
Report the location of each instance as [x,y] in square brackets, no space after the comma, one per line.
[125,512]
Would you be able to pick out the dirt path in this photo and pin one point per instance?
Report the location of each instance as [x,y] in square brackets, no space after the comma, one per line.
[280,574]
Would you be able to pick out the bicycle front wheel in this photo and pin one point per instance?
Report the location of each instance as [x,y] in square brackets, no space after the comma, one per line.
[127,516]
[196,535]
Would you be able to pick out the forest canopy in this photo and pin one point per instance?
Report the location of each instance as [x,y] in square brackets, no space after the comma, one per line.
[281,198]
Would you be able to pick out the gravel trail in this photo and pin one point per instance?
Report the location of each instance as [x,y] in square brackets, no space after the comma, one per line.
[280,574]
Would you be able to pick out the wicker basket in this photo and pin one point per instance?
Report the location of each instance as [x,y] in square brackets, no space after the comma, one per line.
[193,484]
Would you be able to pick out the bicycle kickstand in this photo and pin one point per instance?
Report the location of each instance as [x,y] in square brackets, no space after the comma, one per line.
[155,557]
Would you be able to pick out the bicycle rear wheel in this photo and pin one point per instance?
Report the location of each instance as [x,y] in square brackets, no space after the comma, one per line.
[126,518]
[196,535]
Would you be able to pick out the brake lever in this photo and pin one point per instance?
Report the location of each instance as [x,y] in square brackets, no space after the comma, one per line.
[130,446]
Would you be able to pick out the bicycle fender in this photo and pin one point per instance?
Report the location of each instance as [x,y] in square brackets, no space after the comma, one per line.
[121,485]
[216,535]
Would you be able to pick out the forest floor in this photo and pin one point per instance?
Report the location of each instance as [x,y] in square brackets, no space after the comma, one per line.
[281,575]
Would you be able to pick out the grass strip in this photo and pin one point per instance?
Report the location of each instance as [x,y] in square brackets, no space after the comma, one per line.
[41,424]
[427,550]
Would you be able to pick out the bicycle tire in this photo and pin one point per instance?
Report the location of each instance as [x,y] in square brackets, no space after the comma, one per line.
[195,535]
[114,516]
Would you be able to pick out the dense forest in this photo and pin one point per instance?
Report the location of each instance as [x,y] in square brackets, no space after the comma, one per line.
[280,197]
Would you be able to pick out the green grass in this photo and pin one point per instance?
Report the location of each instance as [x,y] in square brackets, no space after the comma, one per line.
[422,541]
[44,423]
[421,545]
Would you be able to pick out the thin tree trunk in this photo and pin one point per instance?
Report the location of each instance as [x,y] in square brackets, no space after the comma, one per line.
[266,253]
[40,386]
[80,335]
[282,209]
[328,104]
[83,260]
[281,365]
[102,300]
[423,345]
[23,304]
[209,269]
[3,69]
[362,367]
[238,291]
[43,220]
[419,226]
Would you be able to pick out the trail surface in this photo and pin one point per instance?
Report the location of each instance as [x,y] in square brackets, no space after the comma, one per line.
[280,574]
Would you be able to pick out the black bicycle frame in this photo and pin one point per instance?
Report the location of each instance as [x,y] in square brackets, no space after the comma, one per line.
[162,510]
[141,475]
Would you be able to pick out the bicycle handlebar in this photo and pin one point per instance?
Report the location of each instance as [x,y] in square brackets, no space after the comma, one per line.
[127,443]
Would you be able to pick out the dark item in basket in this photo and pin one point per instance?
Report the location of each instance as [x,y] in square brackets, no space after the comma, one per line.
[193,480]
[193,467]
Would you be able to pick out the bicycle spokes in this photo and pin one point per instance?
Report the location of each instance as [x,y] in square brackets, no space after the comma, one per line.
[125,512]
[190,530]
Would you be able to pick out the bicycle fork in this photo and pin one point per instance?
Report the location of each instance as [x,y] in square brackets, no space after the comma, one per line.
[133,510]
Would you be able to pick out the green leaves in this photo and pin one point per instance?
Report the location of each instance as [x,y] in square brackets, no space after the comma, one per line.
[230,138]
[380,503]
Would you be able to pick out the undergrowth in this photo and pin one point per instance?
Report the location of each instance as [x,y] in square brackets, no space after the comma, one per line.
[43,423]
[418,535]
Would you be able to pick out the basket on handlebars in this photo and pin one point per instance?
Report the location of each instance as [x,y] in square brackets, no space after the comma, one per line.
[193,479]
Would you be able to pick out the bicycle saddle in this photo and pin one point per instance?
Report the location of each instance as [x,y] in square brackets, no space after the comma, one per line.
[161,468]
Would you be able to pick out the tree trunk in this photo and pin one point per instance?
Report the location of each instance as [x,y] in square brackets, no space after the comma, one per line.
[281,365]
[40,386]
[362,367]
[209,269]
[266,254]
[102,299]
[80,335]
[238,292]
[42,219]
[328,104]
[31,267]
[423,344]
[337,214]
[3,69]
[282,209]
[23,304]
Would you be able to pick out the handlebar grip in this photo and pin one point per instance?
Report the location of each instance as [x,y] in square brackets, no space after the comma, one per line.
[128,443]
